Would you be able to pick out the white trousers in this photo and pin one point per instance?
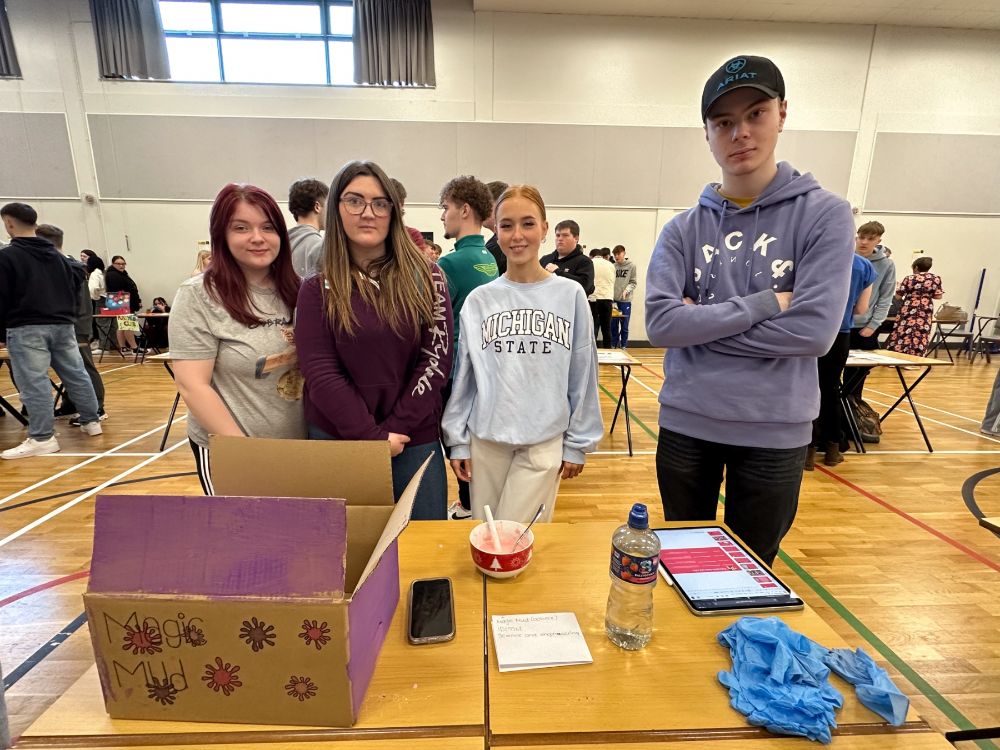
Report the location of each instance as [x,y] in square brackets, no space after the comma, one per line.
[514,479]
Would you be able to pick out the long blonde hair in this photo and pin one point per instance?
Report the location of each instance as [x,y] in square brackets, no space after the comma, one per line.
[404,295]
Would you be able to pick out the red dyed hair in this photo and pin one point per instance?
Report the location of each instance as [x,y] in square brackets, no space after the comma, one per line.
[224,278]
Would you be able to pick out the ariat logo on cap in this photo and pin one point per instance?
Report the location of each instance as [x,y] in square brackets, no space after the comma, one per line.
[735,77]
[735,66]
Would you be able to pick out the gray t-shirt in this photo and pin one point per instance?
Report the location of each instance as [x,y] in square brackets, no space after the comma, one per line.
[256,369]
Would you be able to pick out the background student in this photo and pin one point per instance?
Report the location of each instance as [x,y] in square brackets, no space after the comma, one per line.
[116,279]
[625,283]
[465,204]
[524,410]
[231,329]
[374,333]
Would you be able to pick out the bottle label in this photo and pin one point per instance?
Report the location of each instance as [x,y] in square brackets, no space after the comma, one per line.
[632,569]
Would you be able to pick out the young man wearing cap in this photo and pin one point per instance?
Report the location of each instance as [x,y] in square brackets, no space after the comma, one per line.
[746,290]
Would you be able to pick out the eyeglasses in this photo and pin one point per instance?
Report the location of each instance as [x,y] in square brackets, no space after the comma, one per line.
[356,205]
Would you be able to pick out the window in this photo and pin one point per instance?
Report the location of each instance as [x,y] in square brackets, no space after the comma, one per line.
[260,41]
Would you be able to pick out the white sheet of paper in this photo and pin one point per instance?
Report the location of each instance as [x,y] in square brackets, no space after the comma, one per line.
[551,639]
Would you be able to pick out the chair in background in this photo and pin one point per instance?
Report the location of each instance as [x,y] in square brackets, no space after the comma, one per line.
[945,330]
[987,337]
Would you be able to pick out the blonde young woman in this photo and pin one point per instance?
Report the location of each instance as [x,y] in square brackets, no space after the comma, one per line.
[374,335]
[523,410]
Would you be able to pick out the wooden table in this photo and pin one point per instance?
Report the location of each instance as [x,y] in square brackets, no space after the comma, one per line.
[923,740]
[623,361]
[440,693]
[665,692]
[417,691]
[883,358]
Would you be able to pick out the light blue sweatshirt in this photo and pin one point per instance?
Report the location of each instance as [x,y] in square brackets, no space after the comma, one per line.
[527,369]
[739,371]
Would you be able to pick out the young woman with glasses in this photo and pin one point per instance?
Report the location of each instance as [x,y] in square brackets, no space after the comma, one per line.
[374,335]
[116,279]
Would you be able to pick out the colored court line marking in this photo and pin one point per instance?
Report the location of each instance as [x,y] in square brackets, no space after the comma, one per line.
[657,374]
[915,521]
[32,661]
[939,701]
[43,586]
[631,414]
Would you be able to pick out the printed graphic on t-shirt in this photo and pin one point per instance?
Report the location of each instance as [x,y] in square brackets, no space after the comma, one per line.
[526,331]
[290,383]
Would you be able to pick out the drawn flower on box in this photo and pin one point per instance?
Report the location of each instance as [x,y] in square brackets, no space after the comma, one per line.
[162,692]
[257,633]
[144,640]
[222,676]
[196,636]
[301,687]
[315,634]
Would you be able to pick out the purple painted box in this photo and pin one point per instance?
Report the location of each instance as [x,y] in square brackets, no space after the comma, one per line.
[267,604]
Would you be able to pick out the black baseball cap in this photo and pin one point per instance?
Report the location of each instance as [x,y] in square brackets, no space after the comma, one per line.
[743,71]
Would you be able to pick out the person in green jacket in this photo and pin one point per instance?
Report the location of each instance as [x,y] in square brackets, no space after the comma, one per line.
[465,204]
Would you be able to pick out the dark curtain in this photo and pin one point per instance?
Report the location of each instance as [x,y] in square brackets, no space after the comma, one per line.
[393,42]
[130,41]
[8,59]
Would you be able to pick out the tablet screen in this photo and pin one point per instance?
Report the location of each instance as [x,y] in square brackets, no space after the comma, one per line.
[714,572]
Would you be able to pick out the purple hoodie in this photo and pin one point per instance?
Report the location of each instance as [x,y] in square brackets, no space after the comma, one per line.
[365,386]
[738,370]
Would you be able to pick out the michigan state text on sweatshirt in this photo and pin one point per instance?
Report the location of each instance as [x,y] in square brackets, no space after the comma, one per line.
[527,369]
[738,370]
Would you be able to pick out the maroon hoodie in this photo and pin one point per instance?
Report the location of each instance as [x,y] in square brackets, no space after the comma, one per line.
[363,387]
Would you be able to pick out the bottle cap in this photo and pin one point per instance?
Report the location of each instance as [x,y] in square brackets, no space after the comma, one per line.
[638,517]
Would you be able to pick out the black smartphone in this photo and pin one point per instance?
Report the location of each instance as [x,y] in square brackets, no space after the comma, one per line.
[431,611]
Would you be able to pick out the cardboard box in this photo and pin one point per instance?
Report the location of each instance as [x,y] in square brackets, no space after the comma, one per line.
[268,604]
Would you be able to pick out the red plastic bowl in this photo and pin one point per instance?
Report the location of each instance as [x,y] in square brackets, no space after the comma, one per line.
[505,564]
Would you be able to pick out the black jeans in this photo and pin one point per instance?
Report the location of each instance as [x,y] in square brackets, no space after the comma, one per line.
[826,427]
[601,310]
[867,343]
[762,487]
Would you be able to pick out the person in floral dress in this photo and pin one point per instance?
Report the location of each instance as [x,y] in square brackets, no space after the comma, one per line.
[913,324]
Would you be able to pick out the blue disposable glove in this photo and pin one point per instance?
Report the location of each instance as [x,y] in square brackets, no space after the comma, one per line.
[778,679]
[872,684]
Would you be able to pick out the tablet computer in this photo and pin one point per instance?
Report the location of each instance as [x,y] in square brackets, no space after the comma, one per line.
[714,574]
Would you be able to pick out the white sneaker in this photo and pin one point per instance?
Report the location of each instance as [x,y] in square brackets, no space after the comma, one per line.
[457,513]
[92,428]
[32,447]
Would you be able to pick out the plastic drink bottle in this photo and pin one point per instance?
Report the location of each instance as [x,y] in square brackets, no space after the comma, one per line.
[635,553]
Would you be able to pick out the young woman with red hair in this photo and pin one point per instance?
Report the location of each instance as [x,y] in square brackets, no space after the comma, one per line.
[231,329]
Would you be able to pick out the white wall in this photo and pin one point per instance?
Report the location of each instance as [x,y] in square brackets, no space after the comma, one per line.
[536,68]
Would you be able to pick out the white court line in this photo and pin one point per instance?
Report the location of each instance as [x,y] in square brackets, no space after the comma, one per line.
[622,453]
[636,379]
[871,452]
[64,454]
[928,406]
[943,424]
[103,372]
[71,469]
[75,501]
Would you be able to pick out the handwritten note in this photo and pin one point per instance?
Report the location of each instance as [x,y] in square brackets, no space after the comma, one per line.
[540,640]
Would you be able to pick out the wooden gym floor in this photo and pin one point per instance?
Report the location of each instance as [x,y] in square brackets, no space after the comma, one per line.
[886,547]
